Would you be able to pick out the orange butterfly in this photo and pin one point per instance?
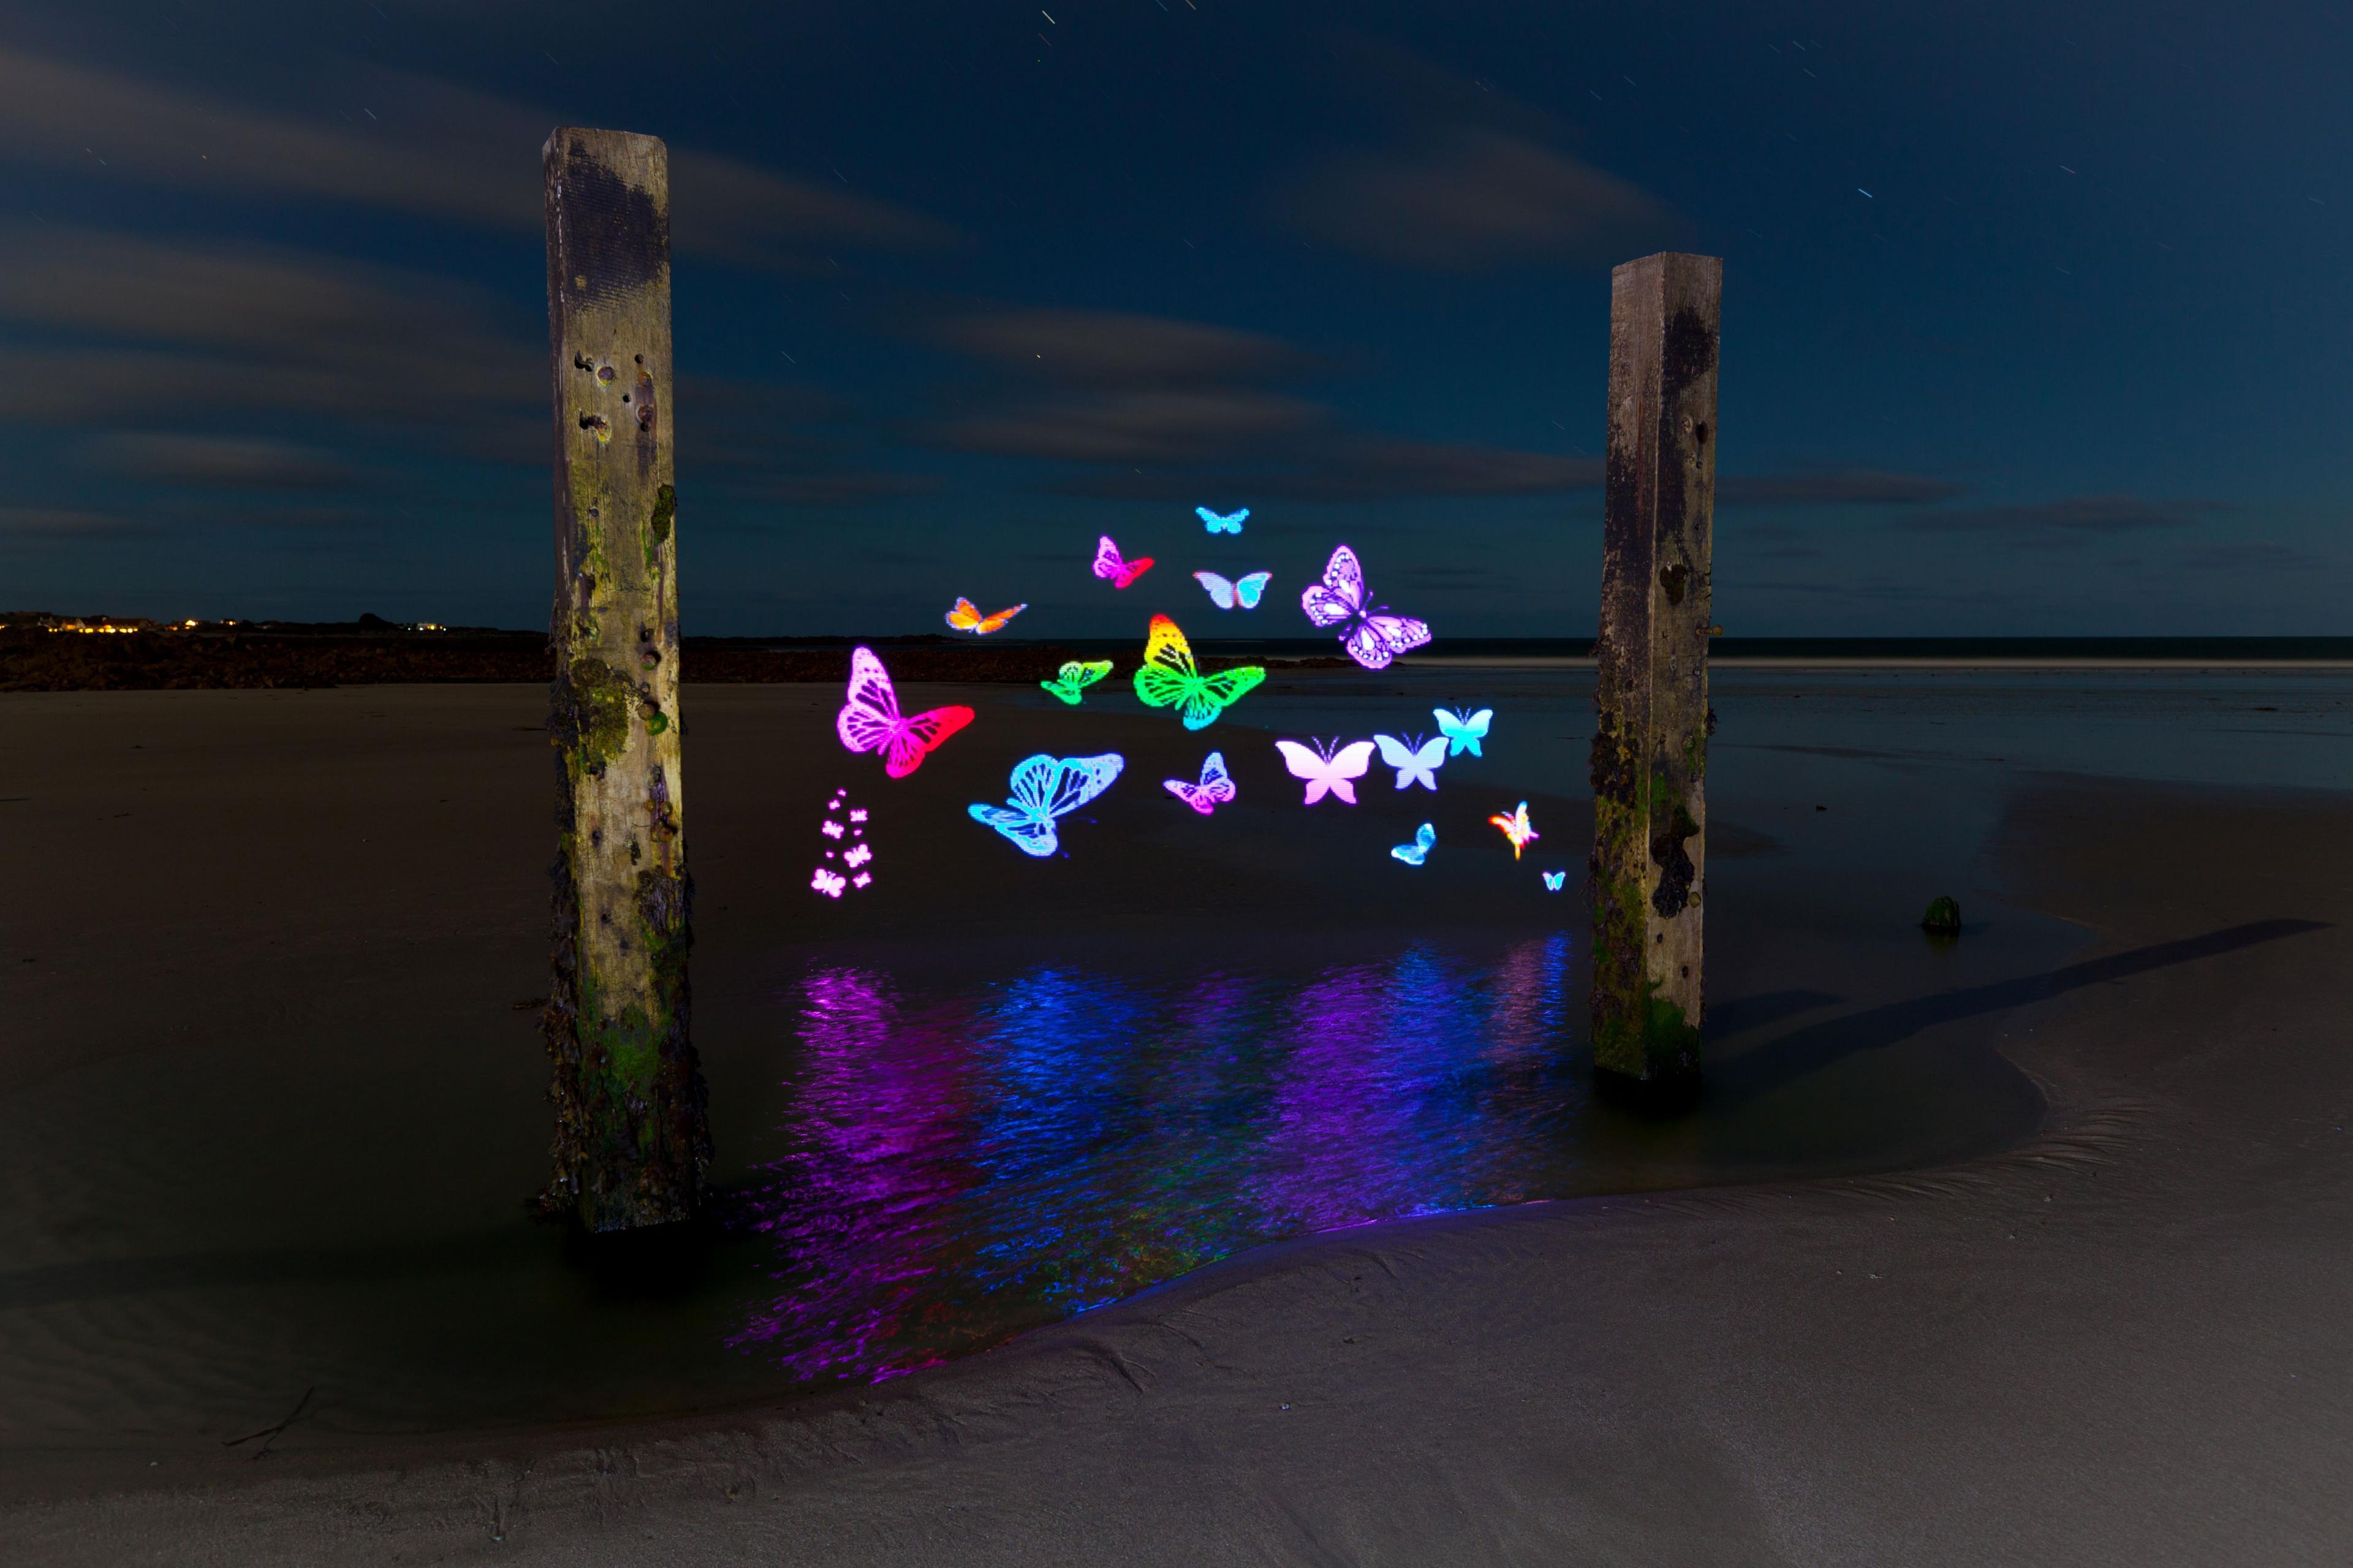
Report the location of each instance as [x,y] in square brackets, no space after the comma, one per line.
[1517,828]
[967,617]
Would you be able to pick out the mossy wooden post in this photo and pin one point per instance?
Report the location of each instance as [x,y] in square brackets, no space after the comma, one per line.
[631,1136]
[1650,741]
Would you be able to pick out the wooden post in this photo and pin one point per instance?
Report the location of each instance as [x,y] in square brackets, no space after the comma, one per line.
[631,1136]
[1650,741]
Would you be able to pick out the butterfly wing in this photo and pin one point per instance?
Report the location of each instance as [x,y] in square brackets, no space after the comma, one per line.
[1348,764]
[1375,640]
[1340,596]
[918,737]
[1168,673]
[1221,592]
[1248,589]
[1133,570]
[995,623]
[1056,787]
[1425,838]
[1216,784]
[870,714]
[1210,695]
[1108,564]
[965,617]
[1030,834]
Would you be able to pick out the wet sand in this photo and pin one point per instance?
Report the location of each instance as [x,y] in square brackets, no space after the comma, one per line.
[2125,1341]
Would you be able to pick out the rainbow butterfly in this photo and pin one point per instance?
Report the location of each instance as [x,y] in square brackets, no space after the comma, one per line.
[1169,678]
[1463,732]
[1327,771]
[1045,787]
[1372,638]
[1517,828]
[1242,590]
[1216,522]
[1416,764]
[967,617]
[1553,879]
[871,722]
[1075,677]
[1117,572]
[1425,838]
[1216,788]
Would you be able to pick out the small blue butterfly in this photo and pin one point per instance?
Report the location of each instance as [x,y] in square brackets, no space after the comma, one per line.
[1553,879]
[1415,853]
[1463,732]
[1216,522]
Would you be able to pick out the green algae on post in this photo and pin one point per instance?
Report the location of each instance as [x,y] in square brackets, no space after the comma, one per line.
[632,1139]
[1650,738]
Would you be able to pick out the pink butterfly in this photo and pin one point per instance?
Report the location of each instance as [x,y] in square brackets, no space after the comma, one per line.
[1120,573]
[870,720]
[1326,770]
[1216,788]
[1373,638]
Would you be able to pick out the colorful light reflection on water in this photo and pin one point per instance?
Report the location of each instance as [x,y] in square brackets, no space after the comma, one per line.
[965,1164]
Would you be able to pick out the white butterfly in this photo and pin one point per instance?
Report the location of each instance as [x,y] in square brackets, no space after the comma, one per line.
[1325,770]
[828,882]
[1416,764]
[1372,638]
[1243,590]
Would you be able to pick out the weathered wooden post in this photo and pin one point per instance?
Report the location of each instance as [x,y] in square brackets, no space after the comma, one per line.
[1649,740]
[631,1136]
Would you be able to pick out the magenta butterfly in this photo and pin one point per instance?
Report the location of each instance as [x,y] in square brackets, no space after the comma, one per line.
[1111,567]
[1372,638]
[1216,788]
[871,720]
[1325,770]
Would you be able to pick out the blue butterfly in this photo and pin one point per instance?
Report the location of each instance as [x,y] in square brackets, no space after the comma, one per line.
[1044,788]
[1463,732]
[1415,853]
[1553,879]
[1215,522]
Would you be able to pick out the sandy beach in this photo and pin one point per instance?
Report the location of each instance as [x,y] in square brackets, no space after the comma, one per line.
[2122,1337]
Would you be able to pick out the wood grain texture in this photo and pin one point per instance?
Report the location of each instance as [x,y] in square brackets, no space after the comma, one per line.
[1649,742]
[631,1136]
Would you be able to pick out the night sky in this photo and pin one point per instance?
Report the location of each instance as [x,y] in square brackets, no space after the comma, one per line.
[2036,315]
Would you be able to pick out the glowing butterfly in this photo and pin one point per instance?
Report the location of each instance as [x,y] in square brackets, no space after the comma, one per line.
[858,813]
[861,879]
[1118,572]
[858,856]
[967,617]
[830,829]
[1325,770]
[1216,788]
[1517,828]
[1463,732]
[1372,638]
[1416,764]
[1553,879]
[1424,838]
[870,719]
[1044,788]
[1075,677]
[1169,678]
[829,883]
[1243,591]
[1230,523]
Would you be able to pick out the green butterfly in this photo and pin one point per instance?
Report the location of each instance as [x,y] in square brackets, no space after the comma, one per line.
[1075,677]
[1168,677]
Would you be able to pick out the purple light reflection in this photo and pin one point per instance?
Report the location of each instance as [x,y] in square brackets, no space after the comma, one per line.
[969,1162]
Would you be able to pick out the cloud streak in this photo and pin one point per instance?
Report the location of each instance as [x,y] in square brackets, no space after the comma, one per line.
[1834,486]
[2071,517]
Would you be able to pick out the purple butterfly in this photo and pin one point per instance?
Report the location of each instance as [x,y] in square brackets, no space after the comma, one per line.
[1372,638]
